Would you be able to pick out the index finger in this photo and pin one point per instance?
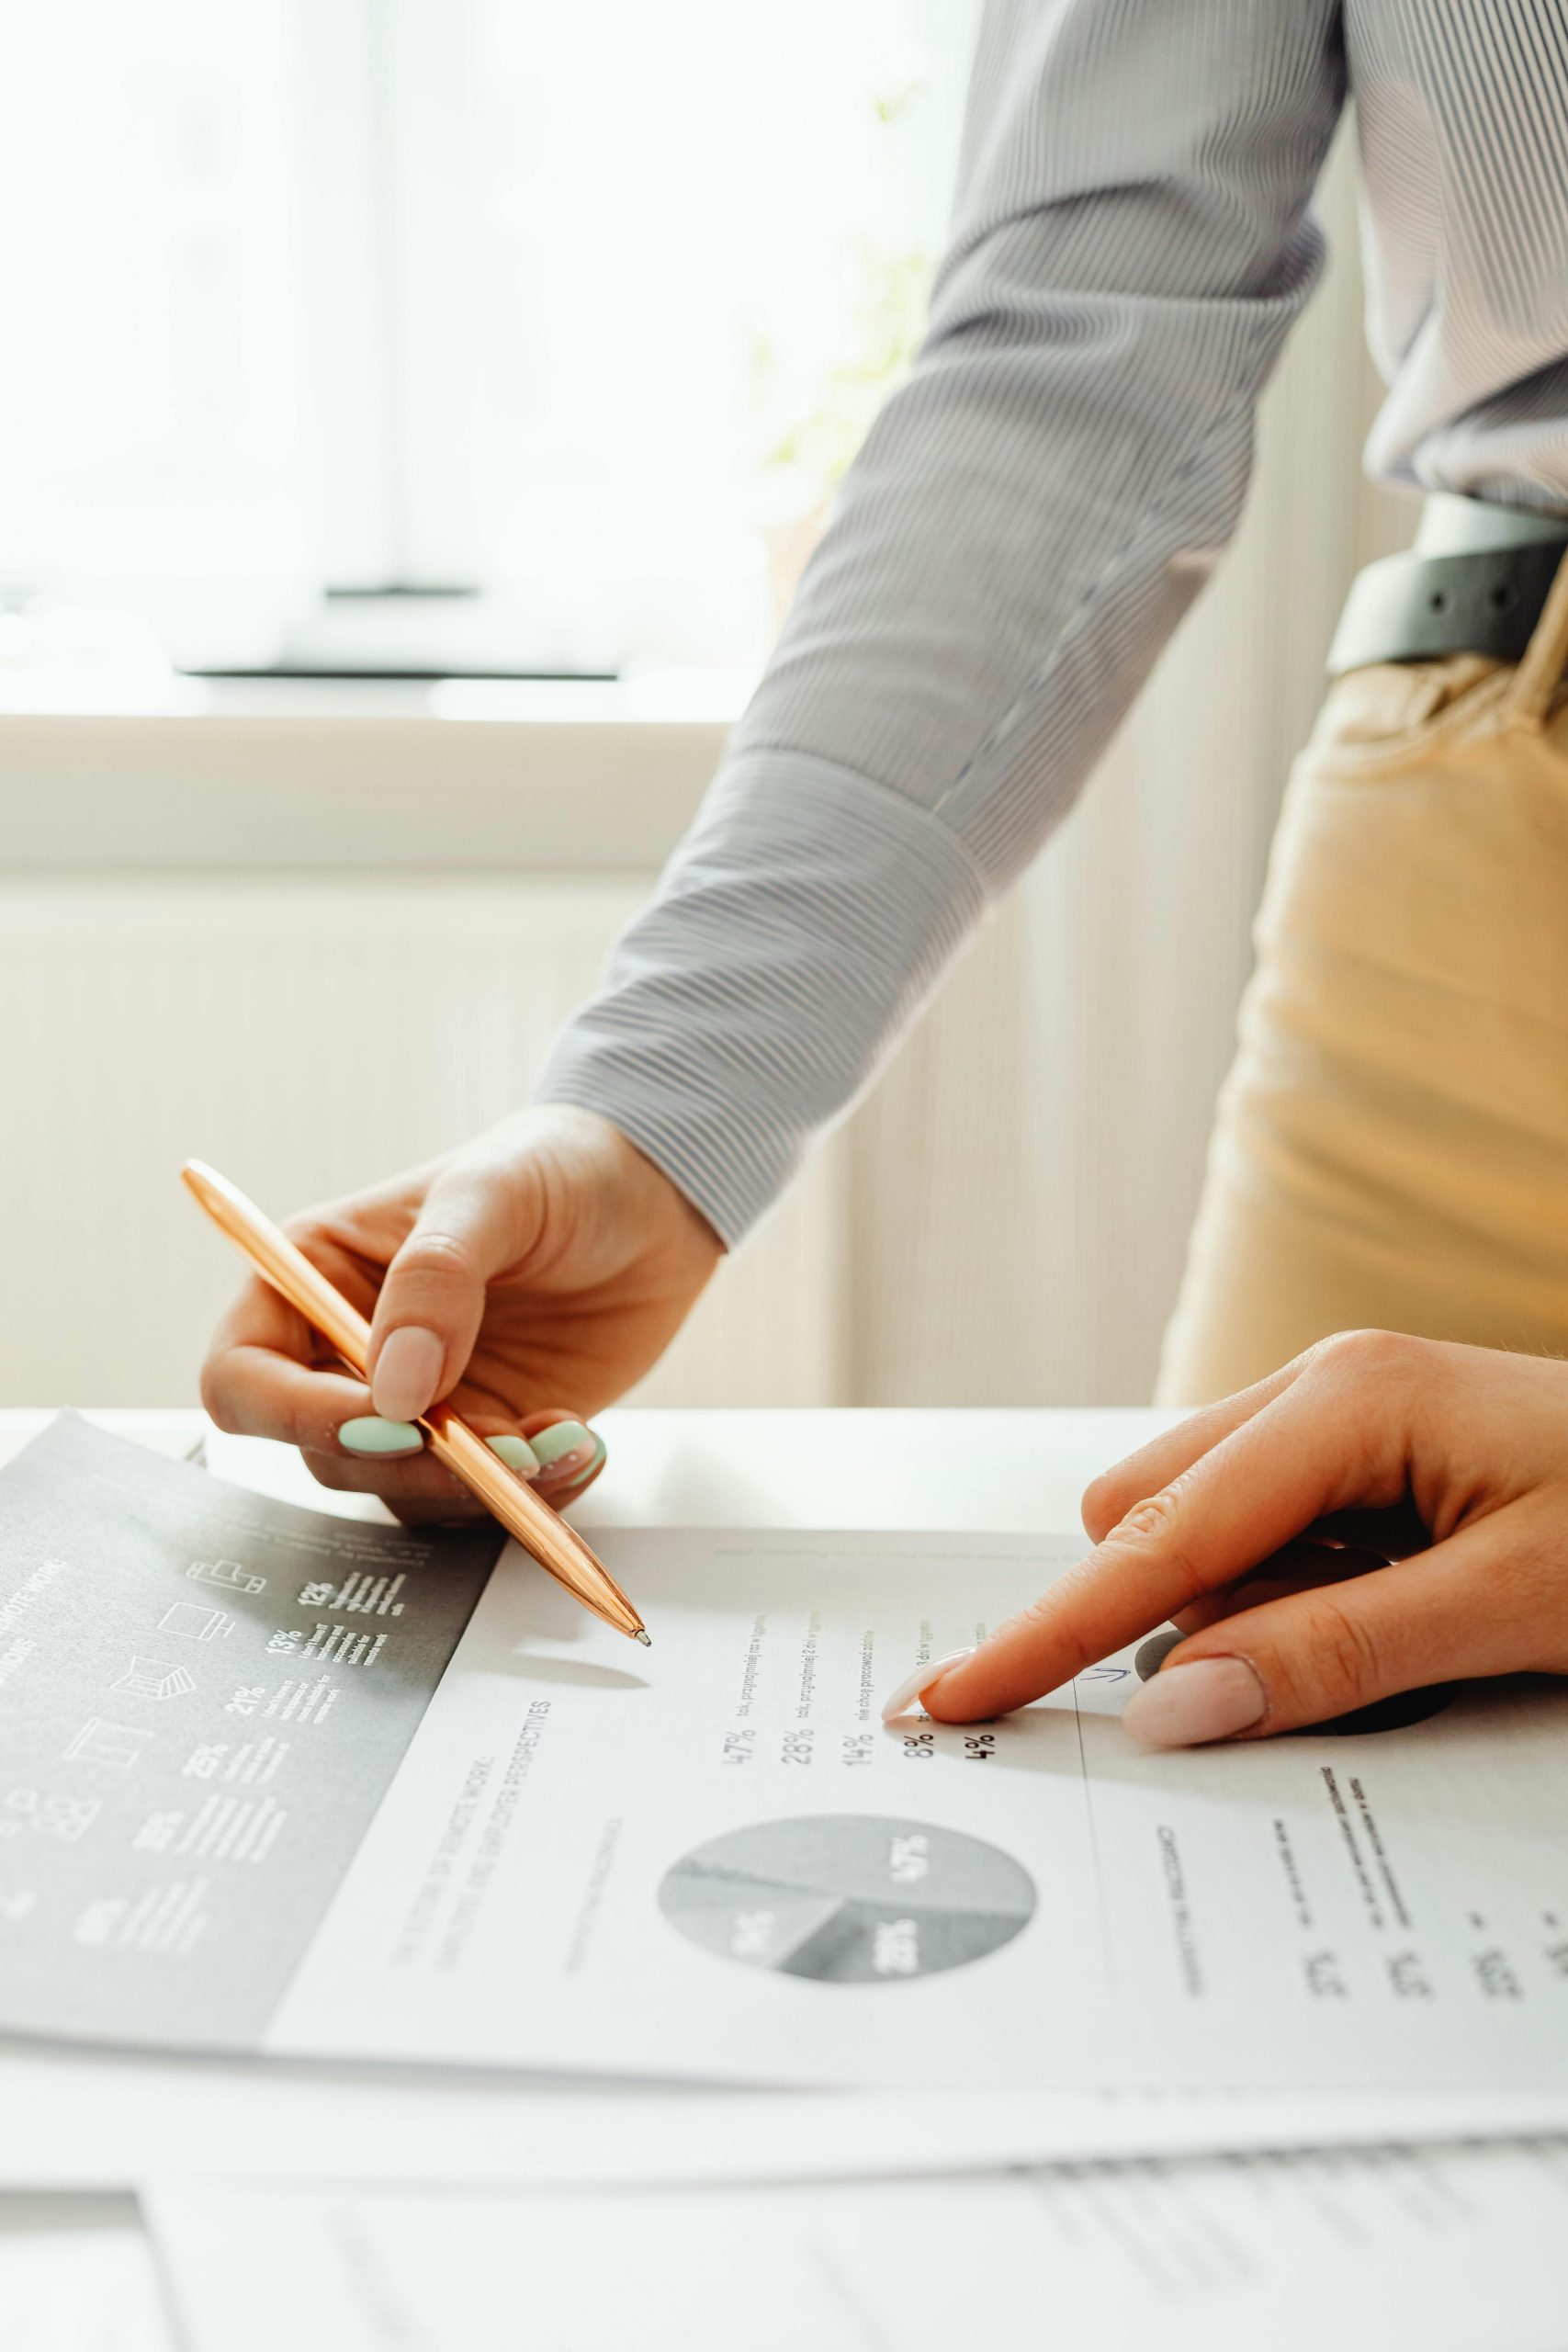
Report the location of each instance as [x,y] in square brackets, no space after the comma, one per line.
[268,1374]
[259,1316]
[263,1376]
[1153,1465]
[1318,1447]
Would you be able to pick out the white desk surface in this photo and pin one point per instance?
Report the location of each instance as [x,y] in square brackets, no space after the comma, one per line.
[1005,1470]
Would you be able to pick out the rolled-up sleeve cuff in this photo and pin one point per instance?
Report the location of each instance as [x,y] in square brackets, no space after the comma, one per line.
[800,926]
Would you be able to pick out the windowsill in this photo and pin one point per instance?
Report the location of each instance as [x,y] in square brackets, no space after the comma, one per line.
[361,774]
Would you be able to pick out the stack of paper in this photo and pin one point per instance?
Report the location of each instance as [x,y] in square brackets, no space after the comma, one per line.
[278,1784]
[1444,2251]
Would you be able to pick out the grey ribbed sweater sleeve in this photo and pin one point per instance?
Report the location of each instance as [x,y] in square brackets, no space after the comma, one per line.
[1030,517]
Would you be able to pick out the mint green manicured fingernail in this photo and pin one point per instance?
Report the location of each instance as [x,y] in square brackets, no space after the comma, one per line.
[590,1467]
[561,1437]
[575,1468]
[516,1452]
[371,1434]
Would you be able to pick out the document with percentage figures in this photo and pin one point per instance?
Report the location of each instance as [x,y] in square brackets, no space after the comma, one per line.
[274,1783]
[1450,2249]
[204,1697]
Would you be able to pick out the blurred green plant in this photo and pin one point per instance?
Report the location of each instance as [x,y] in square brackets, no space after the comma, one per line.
[817,444]
[810,451]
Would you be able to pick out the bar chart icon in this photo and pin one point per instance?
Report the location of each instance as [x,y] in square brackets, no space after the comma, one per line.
[154,1678]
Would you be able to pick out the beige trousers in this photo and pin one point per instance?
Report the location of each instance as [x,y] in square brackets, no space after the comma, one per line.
[1391,1147]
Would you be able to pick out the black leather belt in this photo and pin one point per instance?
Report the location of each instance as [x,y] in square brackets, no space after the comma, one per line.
[1422,607]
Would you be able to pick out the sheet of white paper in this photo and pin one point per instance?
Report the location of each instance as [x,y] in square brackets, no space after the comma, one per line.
[712,1860]
[79,2275]
[71,2120]
[1451,2249]
[274,1782]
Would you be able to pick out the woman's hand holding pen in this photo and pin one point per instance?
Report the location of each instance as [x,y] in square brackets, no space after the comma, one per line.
[528,1278]
[1465,1448]
[536,1274]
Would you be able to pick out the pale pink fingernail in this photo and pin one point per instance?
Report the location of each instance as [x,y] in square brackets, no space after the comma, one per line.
[899,1701]
[407,1372]
[1183,1706]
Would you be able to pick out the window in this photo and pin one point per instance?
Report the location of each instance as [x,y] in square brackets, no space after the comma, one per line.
[452,333]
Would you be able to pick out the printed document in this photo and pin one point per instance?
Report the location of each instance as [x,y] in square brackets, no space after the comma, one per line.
[272,1782]
[1450,2249]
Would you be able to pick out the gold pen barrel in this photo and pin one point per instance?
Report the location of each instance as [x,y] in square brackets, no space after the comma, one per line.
[284,1265]
[542,1532]
[556,1547]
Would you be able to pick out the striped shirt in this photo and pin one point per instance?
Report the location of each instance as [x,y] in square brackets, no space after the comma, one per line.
[1036,507]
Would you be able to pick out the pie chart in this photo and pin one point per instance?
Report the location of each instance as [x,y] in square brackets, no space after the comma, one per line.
[848,1898]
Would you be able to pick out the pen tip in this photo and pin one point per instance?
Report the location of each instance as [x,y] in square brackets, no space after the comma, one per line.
[644,1637]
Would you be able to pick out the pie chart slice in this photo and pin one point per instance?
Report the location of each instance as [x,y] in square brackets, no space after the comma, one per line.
[849,1898]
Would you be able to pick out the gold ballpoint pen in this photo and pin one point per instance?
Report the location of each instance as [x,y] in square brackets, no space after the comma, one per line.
[546,1537]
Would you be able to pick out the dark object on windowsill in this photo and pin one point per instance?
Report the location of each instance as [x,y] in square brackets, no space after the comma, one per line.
[407,632]
[410,677]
